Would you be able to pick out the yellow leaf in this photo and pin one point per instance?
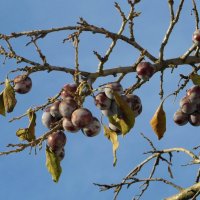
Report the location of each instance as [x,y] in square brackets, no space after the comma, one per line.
[158,121]
[125,122]
[112,136]
[53,165]
[2,107]
[119,123]
[9,97]
[195,79]
[28,133]
[22,133]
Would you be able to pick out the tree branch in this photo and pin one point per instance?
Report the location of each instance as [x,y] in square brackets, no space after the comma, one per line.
[187,193]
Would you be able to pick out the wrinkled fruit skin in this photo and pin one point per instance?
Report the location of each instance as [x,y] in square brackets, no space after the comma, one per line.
[22,84]
[102,101]
[47,119]
[180,118]
[187,106]
[54,110]
[114,86]
[81,117]
[68,90]
[67,107]
[194,94]
[68,126]
[194,119]
[56,140]
[93,128]
[145,70]
[196,37]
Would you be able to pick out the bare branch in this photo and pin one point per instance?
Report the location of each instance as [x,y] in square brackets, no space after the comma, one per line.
[34,143]
[196,13]
[170,29]
[187,193]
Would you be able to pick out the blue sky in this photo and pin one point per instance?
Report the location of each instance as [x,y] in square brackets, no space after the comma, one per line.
[89,160]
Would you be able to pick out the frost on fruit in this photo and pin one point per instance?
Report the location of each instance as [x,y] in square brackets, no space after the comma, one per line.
[47,119]
[56,140]
[81,117]
[102,101]
[145,70]
[54,109]
[110,88]
[22,84]
[68,126]
[93,128]
[67,107]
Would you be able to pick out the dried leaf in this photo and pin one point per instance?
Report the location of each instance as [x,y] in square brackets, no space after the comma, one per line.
[112,136]
[2,107]
[32,124]
[126,122]
[22,133]
[28,133]
[195,79]
[158,121]
[9,97]
[53,165]
[119,123]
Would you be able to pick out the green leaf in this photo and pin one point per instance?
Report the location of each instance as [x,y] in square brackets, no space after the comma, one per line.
[28,133]
[126,122]
[195,79]
[53,165]
[2,107]
[9,97]
[158,121]
[112,136]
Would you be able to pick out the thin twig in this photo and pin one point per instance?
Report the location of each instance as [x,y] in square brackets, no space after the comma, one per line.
[170,29]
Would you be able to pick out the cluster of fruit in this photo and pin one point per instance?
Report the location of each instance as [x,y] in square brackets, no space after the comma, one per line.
[73,119]
[189,108]
[105,101]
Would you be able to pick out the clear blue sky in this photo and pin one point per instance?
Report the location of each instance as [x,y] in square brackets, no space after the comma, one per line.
[89,160]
